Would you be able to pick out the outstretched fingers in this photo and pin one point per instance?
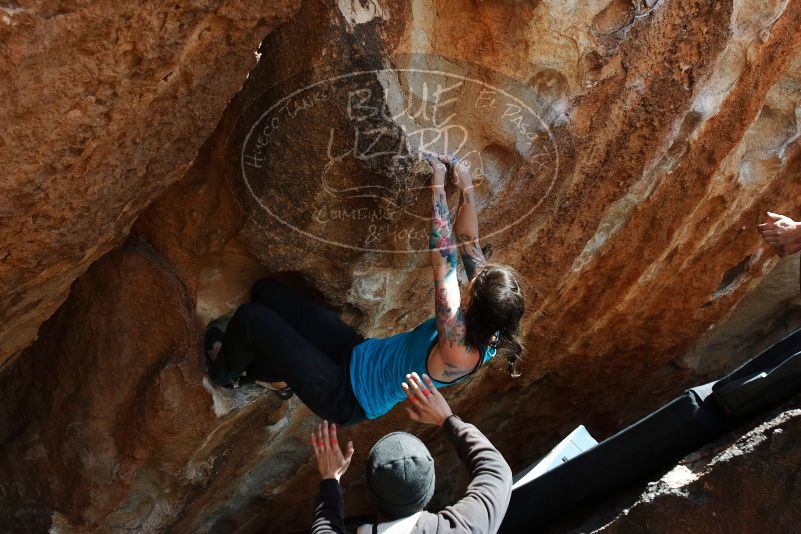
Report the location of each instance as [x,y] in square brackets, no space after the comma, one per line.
[414,408]
[419,395]
[335,443]
[409,393]
[430,384]
[349,452]
[415,389]
[326,437]
[418,388]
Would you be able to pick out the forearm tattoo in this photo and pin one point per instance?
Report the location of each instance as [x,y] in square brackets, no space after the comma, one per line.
[441,237]
[447,302]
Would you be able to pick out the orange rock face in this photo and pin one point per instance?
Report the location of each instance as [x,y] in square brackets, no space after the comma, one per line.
[624,152]
[103,107]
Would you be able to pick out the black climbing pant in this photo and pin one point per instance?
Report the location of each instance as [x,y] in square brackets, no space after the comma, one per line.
[283,335]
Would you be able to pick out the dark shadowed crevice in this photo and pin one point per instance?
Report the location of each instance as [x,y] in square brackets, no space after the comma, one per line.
[732,277]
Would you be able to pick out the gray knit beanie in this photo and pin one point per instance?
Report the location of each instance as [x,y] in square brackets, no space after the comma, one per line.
[400,475]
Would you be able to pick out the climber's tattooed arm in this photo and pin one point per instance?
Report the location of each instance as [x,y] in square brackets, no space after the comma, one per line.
[447,300]
[440,241]
[450,321]
[467,235]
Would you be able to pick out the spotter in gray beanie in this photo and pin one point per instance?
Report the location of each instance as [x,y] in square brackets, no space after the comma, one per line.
[400,475]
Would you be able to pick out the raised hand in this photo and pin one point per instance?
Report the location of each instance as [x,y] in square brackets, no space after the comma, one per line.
[330,461]
[460,170]
[781,233]
[439,168]
[426,403]
[466,225]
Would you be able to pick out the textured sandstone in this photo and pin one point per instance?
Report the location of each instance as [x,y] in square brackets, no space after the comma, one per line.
[769,311]
[675,128]
[116,434]
[104,104]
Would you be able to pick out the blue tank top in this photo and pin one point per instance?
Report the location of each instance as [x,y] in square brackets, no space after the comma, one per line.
[379,366]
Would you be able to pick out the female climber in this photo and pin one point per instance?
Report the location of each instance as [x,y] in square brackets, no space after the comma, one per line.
[285,339]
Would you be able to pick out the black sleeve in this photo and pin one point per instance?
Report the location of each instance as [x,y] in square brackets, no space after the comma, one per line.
[328,509]
[484,504]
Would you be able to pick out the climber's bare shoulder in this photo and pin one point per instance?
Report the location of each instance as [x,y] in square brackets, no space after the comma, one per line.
[447,362]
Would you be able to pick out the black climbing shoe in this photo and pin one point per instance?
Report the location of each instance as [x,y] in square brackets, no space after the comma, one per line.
[216,368]
[213,335]
[283,394]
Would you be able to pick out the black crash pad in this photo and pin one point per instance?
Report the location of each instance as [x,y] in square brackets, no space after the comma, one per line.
[762,382]
[664,436]
[689,421]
